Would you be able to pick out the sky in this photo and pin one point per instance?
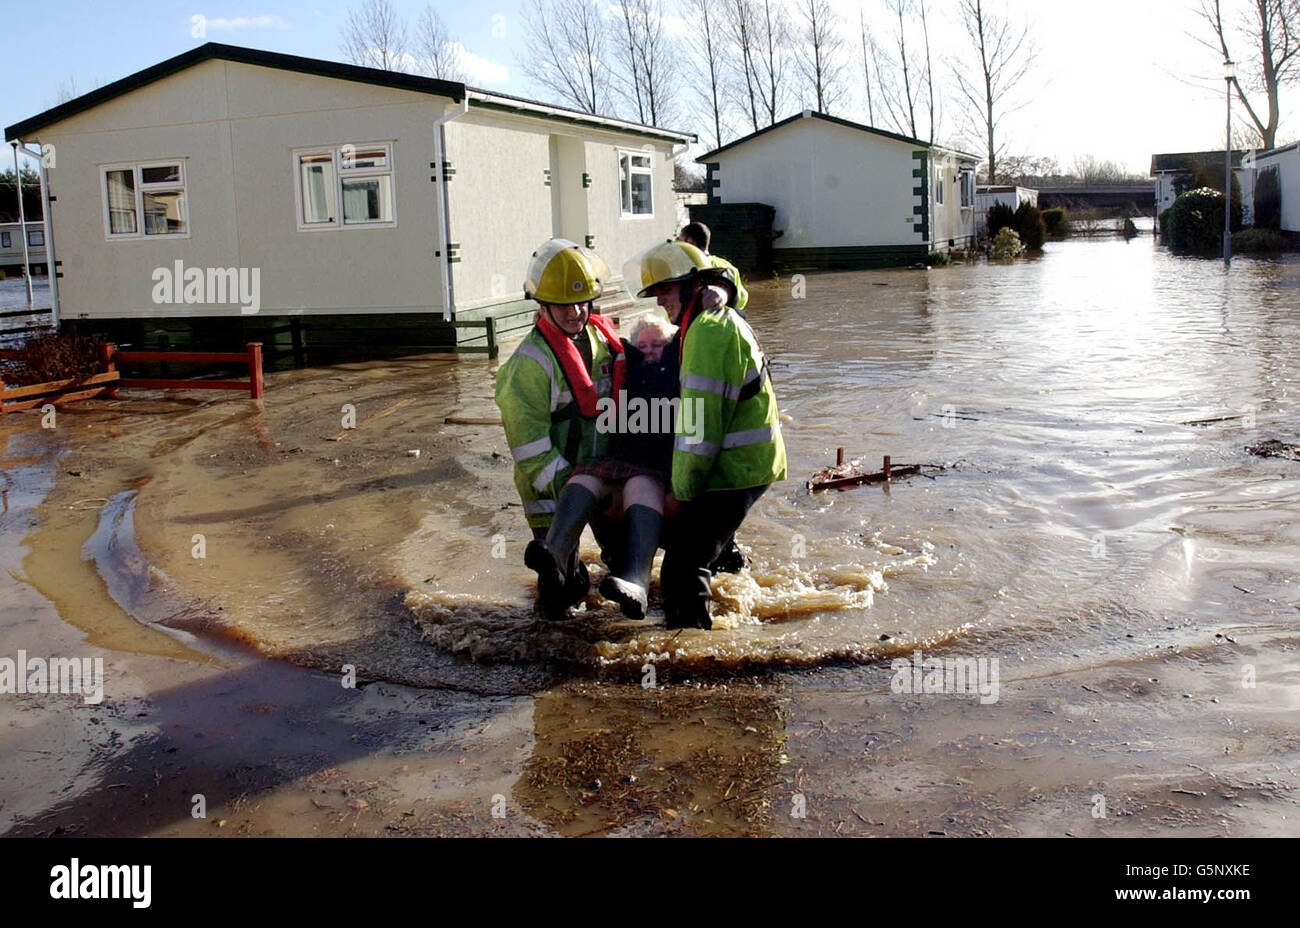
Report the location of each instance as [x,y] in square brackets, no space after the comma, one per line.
[1115,79]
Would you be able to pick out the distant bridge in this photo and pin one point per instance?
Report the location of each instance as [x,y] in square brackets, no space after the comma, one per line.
[1141,194]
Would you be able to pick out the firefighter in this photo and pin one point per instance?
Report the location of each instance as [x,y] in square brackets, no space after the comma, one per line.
[728,448]
[699,235]
[548,393]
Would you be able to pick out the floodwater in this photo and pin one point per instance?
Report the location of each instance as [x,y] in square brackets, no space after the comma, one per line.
[1090,504]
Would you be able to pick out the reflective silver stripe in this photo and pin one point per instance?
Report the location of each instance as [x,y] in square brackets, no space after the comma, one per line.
[532,449]
[753,374]
[710,385]
[705,449]
[529,350]
[548,473]
[748,437]
[538,506]
[538,354]
[561,399]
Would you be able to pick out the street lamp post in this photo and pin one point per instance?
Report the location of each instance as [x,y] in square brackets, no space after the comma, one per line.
[1229,75]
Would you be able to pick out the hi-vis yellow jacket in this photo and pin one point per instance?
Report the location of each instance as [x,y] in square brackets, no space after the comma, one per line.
[742,295]
[544,428]
[728,432]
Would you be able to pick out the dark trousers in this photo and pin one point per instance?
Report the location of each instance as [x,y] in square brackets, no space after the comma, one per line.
[700,531]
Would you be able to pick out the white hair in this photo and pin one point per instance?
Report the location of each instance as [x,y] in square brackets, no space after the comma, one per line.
[662,326]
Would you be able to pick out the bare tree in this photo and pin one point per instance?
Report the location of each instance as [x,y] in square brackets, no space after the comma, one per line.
[626,31]
[564,49]
[869,52]
[704,39]
[653,60]
[928,75]
[899,85]
[1270,29]
[1001,55]
[742,31]
[438,54]
[773,41]
[819,53]
[375,36]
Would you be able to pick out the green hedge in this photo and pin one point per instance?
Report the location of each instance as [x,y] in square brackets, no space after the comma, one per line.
[1259,242]
[1057,220]
[1194,224]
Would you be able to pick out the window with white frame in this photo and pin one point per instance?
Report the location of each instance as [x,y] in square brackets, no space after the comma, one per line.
[5,240]
[36,238]
[144,199]
[347,185]
[636,183]
[967,188]
[938,186]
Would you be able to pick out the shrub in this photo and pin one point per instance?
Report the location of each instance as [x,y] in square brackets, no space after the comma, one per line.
[1128,228]
[1057,221]
[53,356]
[1194,224]
[1029,223]
[1268,200]
[1259,242]
[1000,216]
[2,275]
[936,259]
[1006,244]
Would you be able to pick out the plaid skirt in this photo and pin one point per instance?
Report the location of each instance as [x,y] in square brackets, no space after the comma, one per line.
[618,471]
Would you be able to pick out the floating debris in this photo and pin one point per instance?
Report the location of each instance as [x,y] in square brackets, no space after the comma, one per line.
[849,474]
[1275,449]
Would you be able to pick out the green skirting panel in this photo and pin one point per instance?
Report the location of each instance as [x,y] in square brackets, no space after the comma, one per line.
[848,258]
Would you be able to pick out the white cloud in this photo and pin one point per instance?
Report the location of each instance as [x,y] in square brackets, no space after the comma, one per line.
[479,70]
[247,22]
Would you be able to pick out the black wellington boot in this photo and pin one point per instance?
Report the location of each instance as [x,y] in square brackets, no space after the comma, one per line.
[557,588]
[731,560]
[630,587]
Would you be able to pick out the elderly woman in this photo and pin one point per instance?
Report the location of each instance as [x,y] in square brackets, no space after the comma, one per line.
[640,461]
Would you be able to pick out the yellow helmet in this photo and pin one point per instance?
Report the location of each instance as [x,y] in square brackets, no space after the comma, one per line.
[562,271]
[663,263]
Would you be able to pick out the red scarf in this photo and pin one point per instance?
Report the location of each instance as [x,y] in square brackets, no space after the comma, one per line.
[575,371]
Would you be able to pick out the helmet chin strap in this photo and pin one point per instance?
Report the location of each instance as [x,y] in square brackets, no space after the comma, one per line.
[550,314]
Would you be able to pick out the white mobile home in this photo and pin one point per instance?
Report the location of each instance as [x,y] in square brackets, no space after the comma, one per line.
[1281,166]
[848,195]
[361,198]
[1177,172]
[11,247]
[1010,196]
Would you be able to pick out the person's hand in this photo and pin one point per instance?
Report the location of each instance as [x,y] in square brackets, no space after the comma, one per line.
[671,507]
[715,297]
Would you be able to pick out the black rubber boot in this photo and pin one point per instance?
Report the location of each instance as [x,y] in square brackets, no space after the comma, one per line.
[630,587]
[731,560]
[558,588]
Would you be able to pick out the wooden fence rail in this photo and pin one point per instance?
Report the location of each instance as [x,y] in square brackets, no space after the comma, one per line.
[109,379]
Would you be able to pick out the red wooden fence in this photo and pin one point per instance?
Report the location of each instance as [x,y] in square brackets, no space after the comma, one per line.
[109,379]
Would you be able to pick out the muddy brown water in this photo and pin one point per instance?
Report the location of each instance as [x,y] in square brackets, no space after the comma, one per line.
[1091,506]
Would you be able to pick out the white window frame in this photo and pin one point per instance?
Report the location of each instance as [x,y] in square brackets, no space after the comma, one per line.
[938,185]
[340,174]
[30,233]
[137,169]
[966,178]
[649,172]
[6,240]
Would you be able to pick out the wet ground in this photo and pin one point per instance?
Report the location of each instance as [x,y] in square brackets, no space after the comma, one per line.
[1093,523]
